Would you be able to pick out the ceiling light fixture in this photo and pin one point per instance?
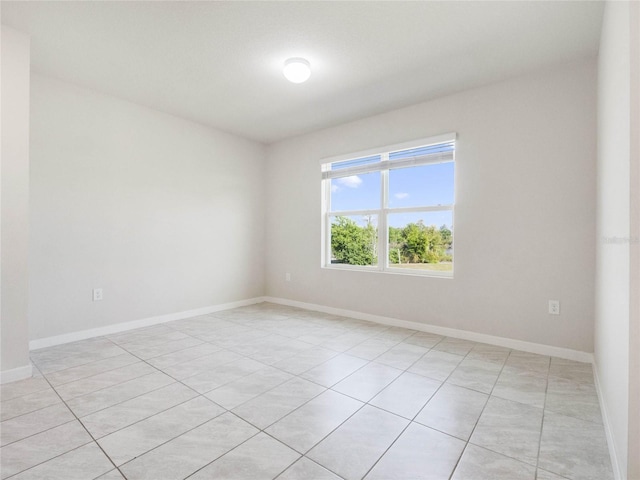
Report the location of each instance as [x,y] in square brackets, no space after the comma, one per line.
[297,70]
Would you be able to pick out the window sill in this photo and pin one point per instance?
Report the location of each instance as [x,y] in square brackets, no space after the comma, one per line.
[389,271]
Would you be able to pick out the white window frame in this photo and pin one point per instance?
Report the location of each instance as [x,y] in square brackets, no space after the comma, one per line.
[384,166]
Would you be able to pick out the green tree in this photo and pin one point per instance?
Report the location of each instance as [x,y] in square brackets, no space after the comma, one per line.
[447,237]
[353,244]
[419,243]
[396,244]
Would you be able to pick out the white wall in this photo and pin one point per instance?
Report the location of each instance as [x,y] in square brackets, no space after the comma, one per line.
[524,217]
[165,215]
[612,271]
[14,357]
[633,463]
[617,263]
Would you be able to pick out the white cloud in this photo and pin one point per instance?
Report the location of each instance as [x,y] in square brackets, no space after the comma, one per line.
[401,195]
[334,188]
[353,181]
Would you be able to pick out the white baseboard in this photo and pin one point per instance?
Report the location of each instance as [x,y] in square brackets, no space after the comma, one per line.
[617,468]
[144,322]
[15,374]
[538,348]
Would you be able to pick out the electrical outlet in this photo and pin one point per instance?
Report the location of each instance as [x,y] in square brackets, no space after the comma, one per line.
[287,277]
[97,294]
[554,307]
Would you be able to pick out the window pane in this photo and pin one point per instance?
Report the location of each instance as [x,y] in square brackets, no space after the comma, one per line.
[356,192]
[424,185]
[421,241]
[354,239]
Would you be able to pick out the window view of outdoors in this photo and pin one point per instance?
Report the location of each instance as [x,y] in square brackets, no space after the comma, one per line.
[415,212]
[421,241]
[354,240]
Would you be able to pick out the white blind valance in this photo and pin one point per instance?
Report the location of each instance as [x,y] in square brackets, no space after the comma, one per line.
[421,152]
[389,164]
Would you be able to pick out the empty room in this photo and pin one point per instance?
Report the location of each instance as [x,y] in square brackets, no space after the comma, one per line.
[309,240]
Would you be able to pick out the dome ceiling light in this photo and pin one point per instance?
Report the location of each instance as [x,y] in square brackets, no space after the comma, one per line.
[297,70]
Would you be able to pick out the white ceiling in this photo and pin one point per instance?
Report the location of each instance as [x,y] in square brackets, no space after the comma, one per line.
[219,63]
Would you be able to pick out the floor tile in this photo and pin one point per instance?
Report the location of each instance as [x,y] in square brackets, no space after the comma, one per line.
[144,333]
[190,353]
[489,353]
[203,364]
[270,407]
[346,341]
[574,448]
[476,375]
[216,377]
[509,428]
[309,424]
[305,469]
[136,439]
[478,463]
[83,463]
[44,446]
[21,388]
[371,348]
[352,449]
[437,365]
[168,411]
[573,399]
[191,451]
[232,336]
[334,370]
[143,341]
[89,369]
[453,410]
[402,356]
[90,347]
[366,383]
[528,361]
[456,346]
[577,372]
[259,458]
[112,475]
[424,339]
[28,403]
[544,475]
[406,395]
[240,391]
[163,348]
[89,354]
[114,418]
[396,333]
[122,392]
[305,360]
[420,452]
[38,421]
[103,380]
[524,386]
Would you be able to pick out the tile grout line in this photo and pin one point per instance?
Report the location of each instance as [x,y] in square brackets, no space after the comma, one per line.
[489,395]
[83,426]
[412,420]
[544,409]
[367,361]
[480,416]
[203,394]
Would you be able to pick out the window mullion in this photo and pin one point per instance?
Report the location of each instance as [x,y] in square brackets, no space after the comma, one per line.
[383,230]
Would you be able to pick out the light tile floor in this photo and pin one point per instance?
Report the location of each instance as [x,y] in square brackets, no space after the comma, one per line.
[269,391]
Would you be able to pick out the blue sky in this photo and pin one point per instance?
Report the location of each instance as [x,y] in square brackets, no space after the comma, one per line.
[408,187]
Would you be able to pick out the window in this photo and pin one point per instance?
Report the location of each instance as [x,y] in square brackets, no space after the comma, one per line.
[391,210]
